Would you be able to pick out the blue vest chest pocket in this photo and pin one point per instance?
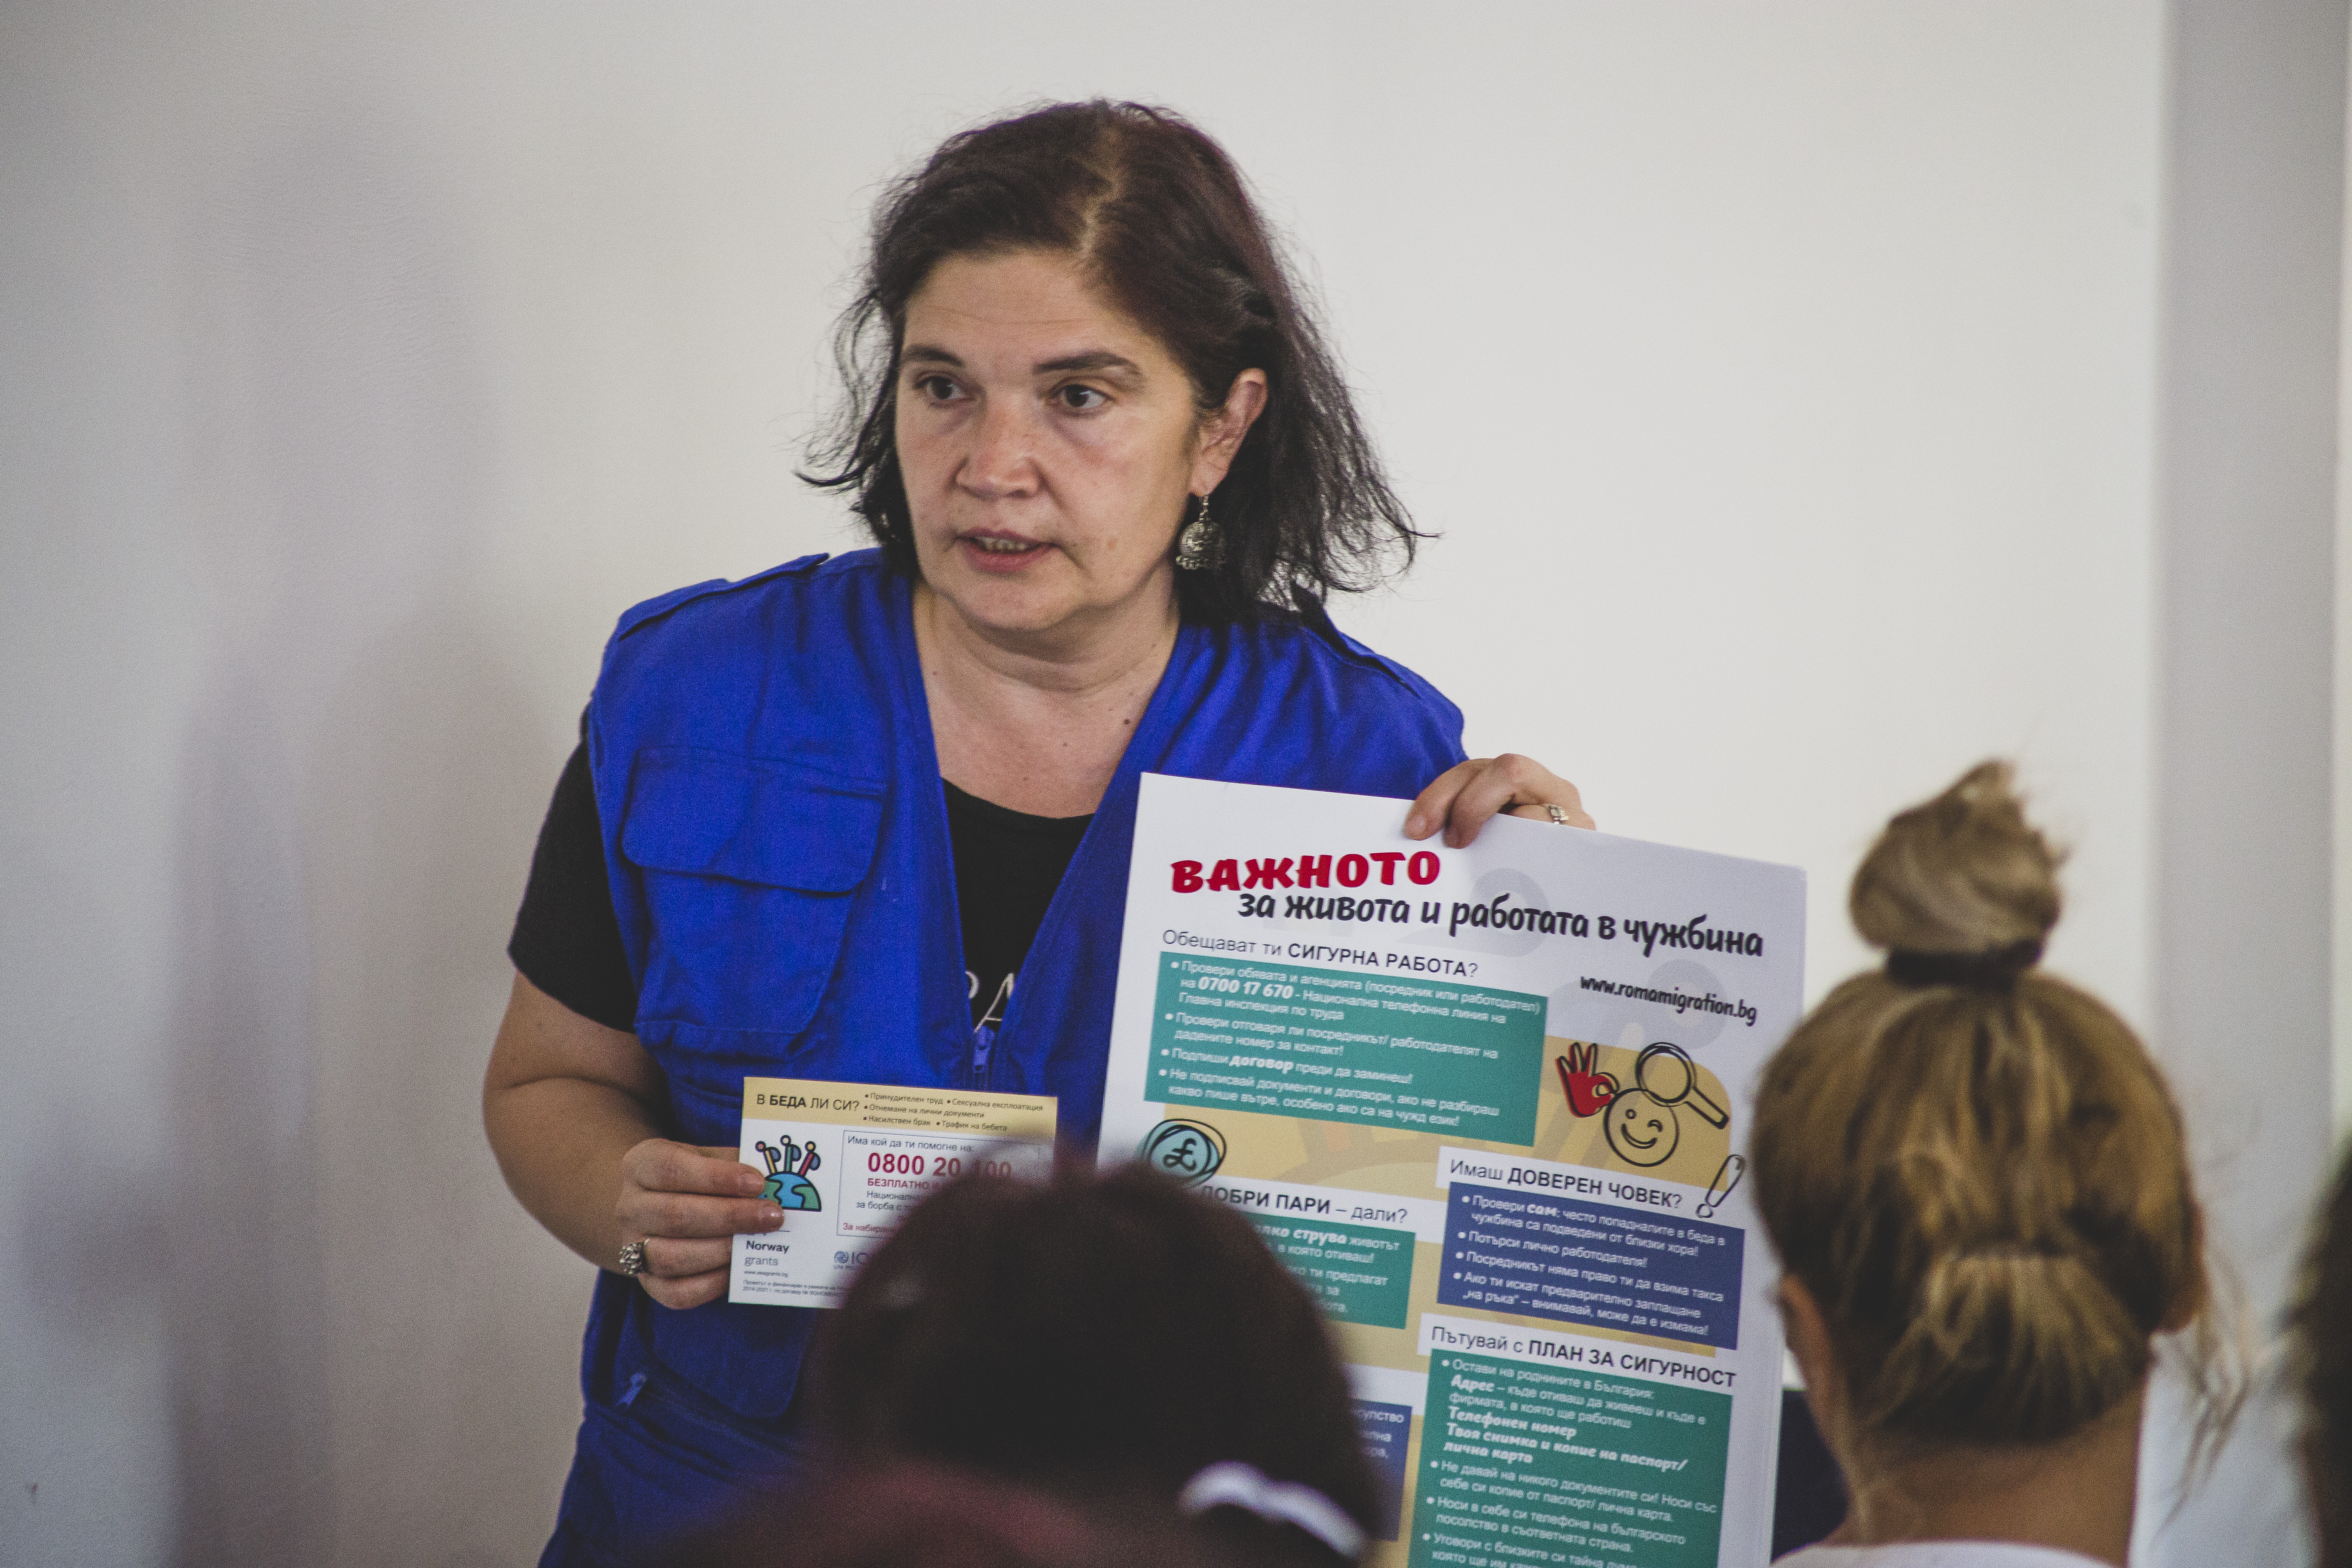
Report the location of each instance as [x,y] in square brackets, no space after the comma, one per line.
[747,869]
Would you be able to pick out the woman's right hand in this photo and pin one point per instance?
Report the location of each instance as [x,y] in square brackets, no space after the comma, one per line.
[574,1110]
[687,1205]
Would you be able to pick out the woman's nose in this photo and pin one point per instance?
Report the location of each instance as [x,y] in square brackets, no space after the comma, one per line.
[1002,461]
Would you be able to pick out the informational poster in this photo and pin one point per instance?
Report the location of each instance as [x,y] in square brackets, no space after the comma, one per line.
[1491,1105]
[849,1160]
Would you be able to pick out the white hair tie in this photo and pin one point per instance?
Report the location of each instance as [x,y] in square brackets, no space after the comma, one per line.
[1233,1484]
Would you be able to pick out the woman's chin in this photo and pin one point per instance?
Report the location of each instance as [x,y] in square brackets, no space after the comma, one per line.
[1047,596]
[1027,605]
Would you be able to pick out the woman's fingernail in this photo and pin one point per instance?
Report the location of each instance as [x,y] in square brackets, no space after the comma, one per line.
[775,1217]
[1412,828]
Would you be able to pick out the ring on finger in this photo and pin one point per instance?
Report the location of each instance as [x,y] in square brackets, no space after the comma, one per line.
[632,1258]
[1558,817]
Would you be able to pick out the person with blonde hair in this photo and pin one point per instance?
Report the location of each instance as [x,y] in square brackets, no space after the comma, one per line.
[1975,1178]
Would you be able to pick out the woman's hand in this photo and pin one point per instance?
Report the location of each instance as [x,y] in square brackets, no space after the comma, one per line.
[687,1204]
[574,1113]
[1464,796]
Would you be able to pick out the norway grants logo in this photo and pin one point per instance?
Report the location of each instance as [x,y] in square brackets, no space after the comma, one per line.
[1189,1151]
[788,1169]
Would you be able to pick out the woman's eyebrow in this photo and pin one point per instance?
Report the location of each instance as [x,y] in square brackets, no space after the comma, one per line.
[1093,360]
[1098,359]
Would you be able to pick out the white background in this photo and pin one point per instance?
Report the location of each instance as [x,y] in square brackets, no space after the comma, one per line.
[1787,382]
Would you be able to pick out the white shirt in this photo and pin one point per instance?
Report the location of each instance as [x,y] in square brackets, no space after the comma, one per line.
[1937,1554]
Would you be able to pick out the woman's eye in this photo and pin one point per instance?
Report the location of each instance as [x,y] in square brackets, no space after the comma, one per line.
[1080,399]
[937,388]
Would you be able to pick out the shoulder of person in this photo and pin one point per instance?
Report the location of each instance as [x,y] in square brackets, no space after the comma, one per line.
[1308,632]
[721,597]
[806,644]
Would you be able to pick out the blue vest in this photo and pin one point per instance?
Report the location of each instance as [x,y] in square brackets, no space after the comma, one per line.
[778,844]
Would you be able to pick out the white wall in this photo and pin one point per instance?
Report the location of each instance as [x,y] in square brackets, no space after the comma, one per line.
[1784,380]
[2247,442]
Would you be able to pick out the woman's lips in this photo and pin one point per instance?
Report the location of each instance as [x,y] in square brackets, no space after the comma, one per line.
[1001,553]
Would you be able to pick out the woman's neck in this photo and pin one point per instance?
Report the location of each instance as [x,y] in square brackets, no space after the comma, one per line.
[2073,1495]
[1038,723]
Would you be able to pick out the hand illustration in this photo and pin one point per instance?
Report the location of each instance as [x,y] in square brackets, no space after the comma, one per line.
[1588,1091]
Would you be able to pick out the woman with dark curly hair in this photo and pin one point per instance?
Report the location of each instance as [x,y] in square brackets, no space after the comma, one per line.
[822,818]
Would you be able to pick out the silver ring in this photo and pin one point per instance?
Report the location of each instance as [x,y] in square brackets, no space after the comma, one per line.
[632,1258]
[1558,817]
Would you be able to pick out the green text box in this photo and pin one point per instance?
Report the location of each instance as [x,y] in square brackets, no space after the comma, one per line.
[1336,1046]
[1523,1464]
[1356,1274]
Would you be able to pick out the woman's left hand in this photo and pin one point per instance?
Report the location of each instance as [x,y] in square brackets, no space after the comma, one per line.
[1464,796]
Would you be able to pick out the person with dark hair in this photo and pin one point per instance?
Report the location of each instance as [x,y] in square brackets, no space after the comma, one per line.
[2321,1338]
[1977,1182]
[1154,217]
[1111,1338]
[1114,1357]
[908,1514]
[822,818]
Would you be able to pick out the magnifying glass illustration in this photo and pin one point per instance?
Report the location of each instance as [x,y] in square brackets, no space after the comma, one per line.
[1667,1075]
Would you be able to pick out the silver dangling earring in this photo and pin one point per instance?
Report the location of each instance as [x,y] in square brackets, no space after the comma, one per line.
[1200,547]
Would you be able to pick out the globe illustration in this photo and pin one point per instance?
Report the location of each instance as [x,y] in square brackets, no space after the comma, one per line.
[788,1185]
[791,1192]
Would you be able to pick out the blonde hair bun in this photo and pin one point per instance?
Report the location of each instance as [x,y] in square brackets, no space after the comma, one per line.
[1978,1174]
[1964,873]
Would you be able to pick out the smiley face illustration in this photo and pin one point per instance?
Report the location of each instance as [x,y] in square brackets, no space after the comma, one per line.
[1642,1132]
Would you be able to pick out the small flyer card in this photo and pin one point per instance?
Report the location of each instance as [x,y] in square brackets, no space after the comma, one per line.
[849,1160]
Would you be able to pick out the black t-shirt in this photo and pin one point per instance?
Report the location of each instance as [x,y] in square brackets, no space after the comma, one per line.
[1007,865]
[567,941]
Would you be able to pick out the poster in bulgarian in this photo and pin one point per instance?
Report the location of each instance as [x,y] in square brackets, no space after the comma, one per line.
[1491,1105]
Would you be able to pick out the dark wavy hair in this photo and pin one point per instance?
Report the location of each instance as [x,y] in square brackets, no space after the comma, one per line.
[1157,214]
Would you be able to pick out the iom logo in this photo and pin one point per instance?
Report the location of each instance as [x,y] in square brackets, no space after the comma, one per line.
[1189,1151]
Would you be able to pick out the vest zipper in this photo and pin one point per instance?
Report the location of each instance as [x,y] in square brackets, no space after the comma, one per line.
[983,1034]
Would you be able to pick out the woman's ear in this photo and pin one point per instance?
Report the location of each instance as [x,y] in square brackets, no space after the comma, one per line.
[1221,433]
[1809,1342]
[2194,1296]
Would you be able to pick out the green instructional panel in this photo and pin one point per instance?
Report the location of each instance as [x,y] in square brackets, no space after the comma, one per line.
[1524,1465]
[1356,1274]
[1280,1039]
